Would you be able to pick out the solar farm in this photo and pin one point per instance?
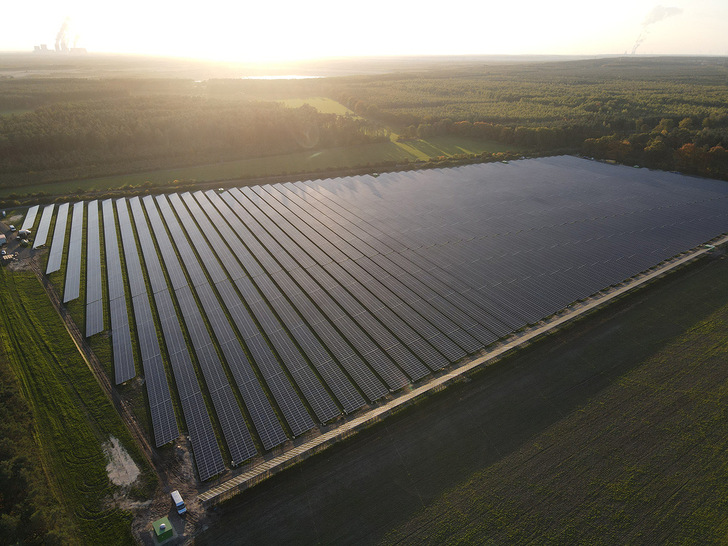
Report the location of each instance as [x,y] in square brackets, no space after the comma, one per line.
[312,301]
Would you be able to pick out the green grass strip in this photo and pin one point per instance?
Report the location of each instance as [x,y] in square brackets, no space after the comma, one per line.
[72,415]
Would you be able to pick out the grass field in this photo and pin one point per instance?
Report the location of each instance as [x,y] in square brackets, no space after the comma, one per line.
[322,104]
[451,145]
[614,428]
[72,415]
[15,112]
[301,162]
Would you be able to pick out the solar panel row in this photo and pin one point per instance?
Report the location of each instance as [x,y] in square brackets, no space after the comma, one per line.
[45,223]
[55,256]
[315,394]
[72,285]
[94,303]
[237,437]
[120,335]
[29,221]
[160,400]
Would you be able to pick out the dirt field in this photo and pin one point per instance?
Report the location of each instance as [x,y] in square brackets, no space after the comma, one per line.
[363,489]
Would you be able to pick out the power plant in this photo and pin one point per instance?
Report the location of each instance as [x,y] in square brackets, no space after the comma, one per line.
[62,41]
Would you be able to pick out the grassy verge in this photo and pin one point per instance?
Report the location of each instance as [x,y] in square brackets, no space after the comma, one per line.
[71,414]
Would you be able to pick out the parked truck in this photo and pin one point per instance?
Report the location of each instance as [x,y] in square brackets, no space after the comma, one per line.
[178,502]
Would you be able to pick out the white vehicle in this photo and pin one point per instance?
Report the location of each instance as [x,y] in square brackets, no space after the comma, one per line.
[178,502]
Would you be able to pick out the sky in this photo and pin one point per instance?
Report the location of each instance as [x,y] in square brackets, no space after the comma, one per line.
[291,30]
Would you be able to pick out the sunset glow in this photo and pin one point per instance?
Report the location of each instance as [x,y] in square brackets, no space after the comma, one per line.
[288,30]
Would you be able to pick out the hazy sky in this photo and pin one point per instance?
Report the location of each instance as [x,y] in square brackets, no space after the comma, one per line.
[286,29]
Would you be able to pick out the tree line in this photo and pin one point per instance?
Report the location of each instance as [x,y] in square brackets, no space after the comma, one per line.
[662,113]
[102,136]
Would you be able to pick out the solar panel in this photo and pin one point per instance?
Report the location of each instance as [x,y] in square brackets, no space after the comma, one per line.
[285,396]
[55,256]
[94,303]
[329,292]
[29,221]
[237,436]
[120,335]
[45,223]
[72,285]
[160,401]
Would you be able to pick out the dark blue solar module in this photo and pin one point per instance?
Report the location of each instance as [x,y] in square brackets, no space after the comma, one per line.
[120,335]
[234,429]
[164,422]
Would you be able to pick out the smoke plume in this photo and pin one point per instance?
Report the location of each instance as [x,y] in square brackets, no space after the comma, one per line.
[62,36]
[657,14]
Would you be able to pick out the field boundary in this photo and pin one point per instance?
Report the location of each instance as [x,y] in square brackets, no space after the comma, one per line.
[264,470]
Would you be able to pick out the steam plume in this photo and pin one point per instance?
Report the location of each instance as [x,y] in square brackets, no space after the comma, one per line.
[657,14]
[62,36]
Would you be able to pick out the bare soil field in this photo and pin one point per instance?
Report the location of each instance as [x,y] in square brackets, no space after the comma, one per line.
[491,427]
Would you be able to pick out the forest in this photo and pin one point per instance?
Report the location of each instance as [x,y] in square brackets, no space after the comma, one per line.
[667,113]
[660,112]
[111,134]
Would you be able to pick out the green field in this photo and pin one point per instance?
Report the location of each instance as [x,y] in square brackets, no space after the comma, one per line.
[302,162]
[445,146]
[72,415]
[322,104]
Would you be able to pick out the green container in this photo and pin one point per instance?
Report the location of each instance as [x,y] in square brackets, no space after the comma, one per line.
[162,529]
